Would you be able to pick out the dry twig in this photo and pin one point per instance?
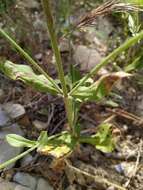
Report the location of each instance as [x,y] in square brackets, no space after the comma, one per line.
[135,169]
[96,178]
[127,115]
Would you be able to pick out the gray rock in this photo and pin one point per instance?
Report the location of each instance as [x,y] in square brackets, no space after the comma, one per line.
[128,168]
[7,151]
[111,188]
[119,168]
[39,25]
[3,118]
[105,28]
[15,111]
[43,185]
[96,41]
[71,187]
[32,4]
[64,45]
[40,125]
[11,129]
[25,179]
[5,185]
[20,187]
[26,160]
[101,32]
[38,56]
[86,57]
[140,106]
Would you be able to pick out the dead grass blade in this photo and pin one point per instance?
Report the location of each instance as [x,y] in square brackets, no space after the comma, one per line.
[105,9]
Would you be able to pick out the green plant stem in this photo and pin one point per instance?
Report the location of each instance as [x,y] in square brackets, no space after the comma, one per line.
[5,164]
[110,57]
[88,140]
[28,58]
[51,29]
[59,65]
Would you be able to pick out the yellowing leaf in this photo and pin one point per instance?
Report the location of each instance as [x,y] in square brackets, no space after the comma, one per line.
[58,146]
[57,152]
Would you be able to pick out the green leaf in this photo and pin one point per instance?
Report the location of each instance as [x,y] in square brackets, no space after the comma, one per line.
[73,76]
[43,138]
[26,74]
[100,88]
[110,103]
[136,64]
[5,5]
[137,2]
[104,135]
[19,141]
[102,140]
[78,129]
[107,146]
[133,23]
[59,146]
[103,132]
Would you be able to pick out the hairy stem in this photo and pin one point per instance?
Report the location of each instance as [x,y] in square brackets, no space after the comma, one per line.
[28,58]
[59,65]
[110,57]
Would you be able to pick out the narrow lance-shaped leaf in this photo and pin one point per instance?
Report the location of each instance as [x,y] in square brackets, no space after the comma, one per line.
[135,65]
[26,74]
